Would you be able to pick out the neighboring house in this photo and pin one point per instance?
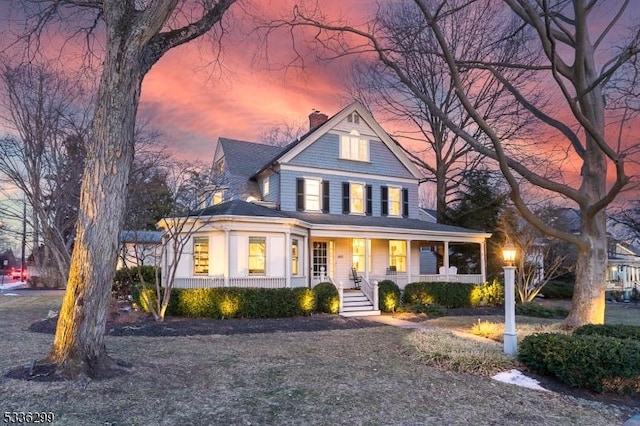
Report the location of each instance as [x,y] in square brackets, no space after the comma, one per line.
[623,267]
[340,201]
[140,248]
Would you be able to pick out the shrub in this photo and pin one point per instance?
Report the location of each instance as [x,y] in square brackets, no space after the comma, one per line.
[612,330]
[234,302]
[388,296]
[328,299]
[557,290]
[539,311]
[127,281]
[449,295]
[598,363]
[488,294]
[306,301]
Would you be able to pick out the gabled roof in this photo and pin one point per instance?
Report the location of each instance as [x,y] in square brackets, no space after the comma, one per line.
[294,148]
[244,159]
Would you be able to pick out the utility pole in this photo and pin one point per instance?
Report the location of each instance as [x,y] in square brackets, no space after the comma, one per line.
[24,238]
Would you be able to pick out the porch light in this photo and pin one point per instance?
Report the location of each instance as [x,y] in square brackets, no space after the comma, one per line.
[509,254]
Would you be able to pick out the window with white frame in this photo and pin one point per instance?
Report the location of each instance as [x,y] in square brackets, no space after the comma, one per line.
[312,194]
[395,201]
[398,255]
[354,147]
[294,258]
[257,255]
[217,198]
[265,186]
[356,198]
[358,254]
[200,255]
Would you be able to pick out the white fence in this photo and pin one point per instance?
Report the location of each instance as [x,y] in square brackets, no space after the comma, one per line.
[403,279]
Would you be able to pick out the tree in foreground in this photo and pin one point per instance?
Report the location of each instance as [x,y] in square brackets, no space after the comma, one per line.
[135,36]
[581,48]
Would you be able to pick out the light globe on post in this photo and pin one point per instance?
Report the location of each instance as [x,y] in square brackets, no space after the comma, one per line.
[509,253]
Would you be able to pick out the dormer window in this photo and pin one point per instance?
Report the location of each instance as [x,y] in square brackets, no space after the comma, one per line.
[265,186]
[354,147]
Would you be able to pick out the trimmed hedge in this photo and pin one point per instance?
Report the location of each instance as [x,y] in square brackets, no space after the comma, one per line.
[598,363]
[619,331]
[232,302]
[453,295]
[388,296]
[328,299]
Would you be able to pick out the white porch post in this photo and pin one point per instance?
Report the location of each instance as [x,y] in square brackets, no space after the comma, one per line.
[227,258]
[446,260]
[483,260]
[366,258]
[287,259]
[408,262]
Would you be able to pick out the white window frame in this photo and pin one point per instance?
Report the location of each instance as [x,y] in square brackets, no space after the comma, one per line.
[398,258]
[394,206]
[258,240]
[201,255]
[295,256]
[353,200]
[354,147]
[265,186]
[311,198]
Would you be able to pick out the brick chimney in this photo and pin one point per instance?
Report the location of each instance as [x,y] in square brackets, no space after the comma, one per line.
[316,119]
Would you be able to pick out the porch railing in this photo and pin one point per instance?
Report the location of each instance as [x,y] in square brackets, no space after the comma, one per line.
[245,282]
[403,279]
[370,289]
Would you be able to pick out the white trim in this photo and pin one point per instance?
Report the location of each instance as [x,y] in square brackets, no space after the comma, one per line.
[368,119]
[355,175]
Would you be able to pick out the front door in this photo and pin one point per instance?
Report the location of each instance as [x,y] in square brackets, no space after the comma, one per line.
[320,260]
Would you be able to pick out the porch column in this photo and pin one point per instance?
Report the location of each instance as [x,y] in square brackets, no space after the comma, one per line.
[408,262]
[366,258]
[287,259]
[227,258]
[483,260]
[445,259]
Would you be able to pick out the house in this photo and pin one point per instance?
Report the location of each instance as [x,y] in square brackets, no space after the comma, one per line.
[623,267]
[340,202]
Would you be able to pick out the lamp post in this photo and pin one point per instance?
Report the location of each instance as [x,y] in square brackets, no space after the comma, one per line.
[510,335]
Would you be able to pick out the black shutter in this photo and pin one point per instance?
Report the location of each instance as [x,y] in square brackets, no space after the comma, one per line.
[346,203]
[369,200]
[385,201]
[405,202]
[325,196]
[300,195]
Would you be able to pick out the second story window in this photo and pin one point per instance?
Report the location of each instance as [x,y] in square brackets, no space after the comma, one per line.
[265,186]
[217,198]
[354,147]
[395,201]
[356,198]
[312,195]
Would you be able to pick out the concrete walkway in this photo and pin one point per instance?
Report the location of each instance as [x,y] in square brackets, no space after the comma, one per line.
[395,322]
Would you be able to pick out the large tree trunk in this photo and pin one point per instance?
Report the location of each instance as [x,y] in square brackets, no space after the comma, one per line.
[78,347]
[588,304]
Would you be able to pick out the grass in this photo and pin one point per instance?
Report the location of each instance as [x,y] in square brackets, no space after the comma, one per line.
[361,376]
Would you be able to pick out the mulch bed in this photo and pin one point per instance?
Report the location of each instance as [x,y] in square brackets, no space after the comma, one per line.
[198,327]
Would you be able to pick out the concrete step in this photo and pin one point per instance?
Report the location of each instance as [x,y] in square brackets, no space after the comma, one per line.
[357,308]
[355,299]
[360,313]
[360,303]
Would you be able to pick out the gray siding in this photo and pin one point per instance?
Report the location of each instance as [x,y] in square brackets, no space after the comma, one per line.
[324,153]
[288,191]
